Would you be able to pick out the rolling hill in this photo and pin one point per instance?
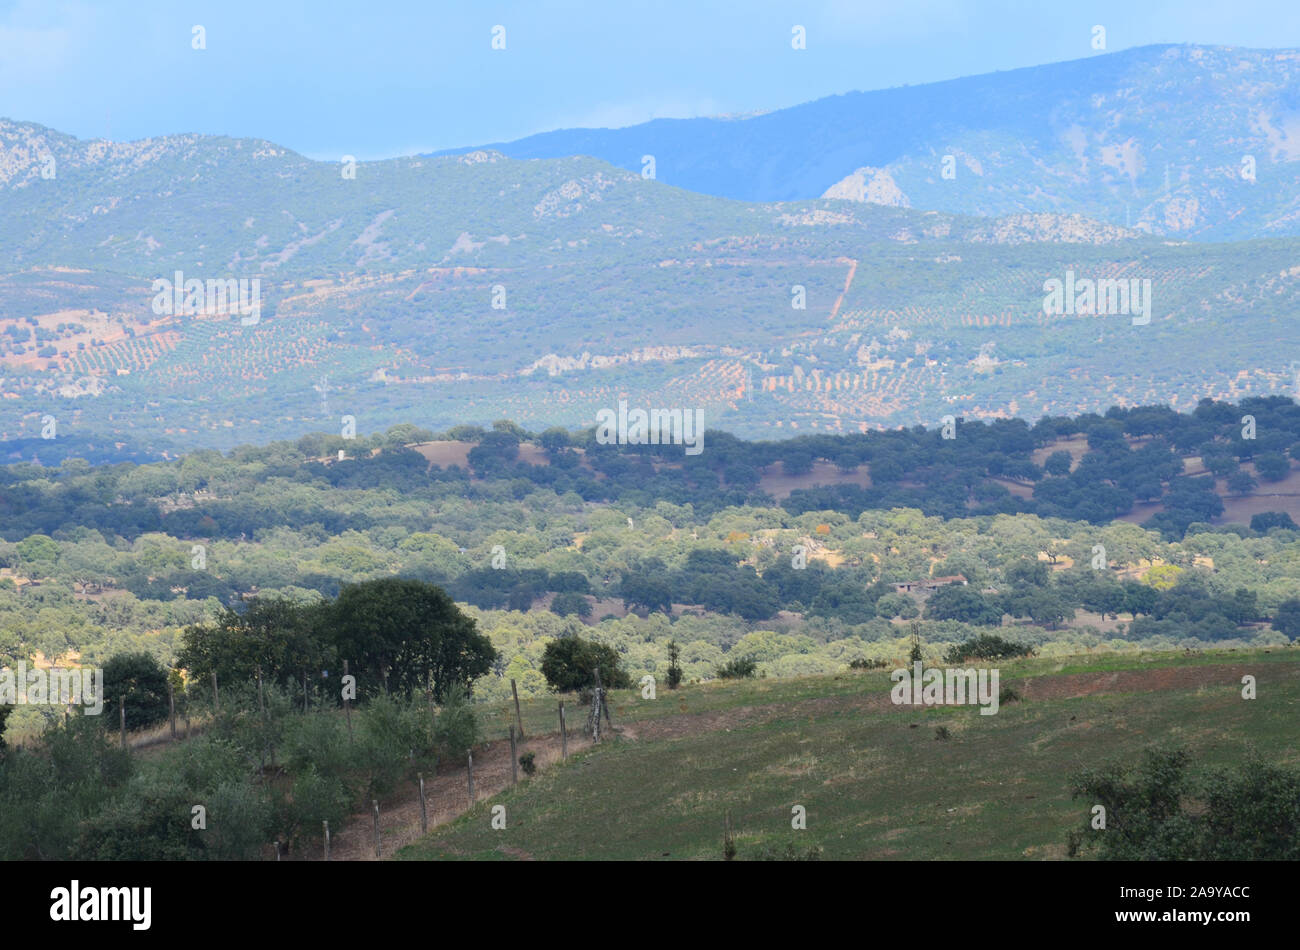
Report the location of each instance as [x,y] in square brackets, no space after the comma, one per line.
[871,776]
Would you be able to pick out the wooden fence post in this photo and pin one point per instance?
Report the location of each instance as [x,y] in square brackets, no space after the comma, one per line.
[261,706]
[327,839]
[121,715]
[171,706]
[597,700]
[604,701]
[519,719]
[375,803]
[514,759]
[471,779]
[564,735]
[424,809]
[216,697]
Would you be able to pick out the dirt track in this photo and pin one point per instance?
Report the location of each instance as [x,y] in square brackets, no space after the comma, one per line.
[447,796]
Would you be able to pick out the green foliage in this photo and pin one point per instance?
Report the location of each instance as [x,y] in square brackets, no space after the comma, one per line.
[142,681]
[319,740]
[240,820]
[1242,483]
[1272,466]
[914,654]
[151,820]
[570,663]
[1058,463]
[1286,618]
[986,646]
[456,728]
[674,667]
[528,762]
[45,795]
[896,605]
[1266,520]
[570,603]
[406,635]
[393,735]
[253,727]
[962,602]
[315,798]
[1159,811]
[741,667]
[275,636]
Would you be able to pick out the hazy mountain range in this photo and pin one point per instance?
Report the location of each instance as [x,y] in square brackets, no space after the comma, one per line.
[467,287]
[1154,137]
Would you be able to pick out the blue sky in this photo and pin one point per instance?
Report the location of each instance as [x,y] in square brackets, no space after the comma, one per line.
[381,78]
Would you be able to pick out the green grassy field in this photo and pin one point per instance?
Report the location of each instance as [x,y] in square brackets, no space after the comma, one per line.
[875,781]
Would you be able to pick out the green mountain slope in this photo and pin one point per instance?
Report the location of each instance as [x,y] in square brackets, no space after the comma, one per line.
[467,288]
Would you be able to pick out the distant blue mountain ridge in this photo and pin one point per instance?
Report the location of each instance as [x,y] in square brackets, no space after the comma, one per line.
[1197,142]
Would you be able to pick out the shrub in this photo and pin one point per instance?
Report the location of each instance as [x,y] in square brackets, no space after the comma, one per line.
[674,666]
[986,647]
[318,740]
[455,731]
[528,762]
[239,822]
[1159,811]
[390,733]
[942,734]
[738,669]
[569,664]
[315,798]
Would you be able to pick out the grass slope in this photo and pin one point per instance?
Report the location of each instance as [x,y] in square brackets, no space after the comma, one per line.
[874,780]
